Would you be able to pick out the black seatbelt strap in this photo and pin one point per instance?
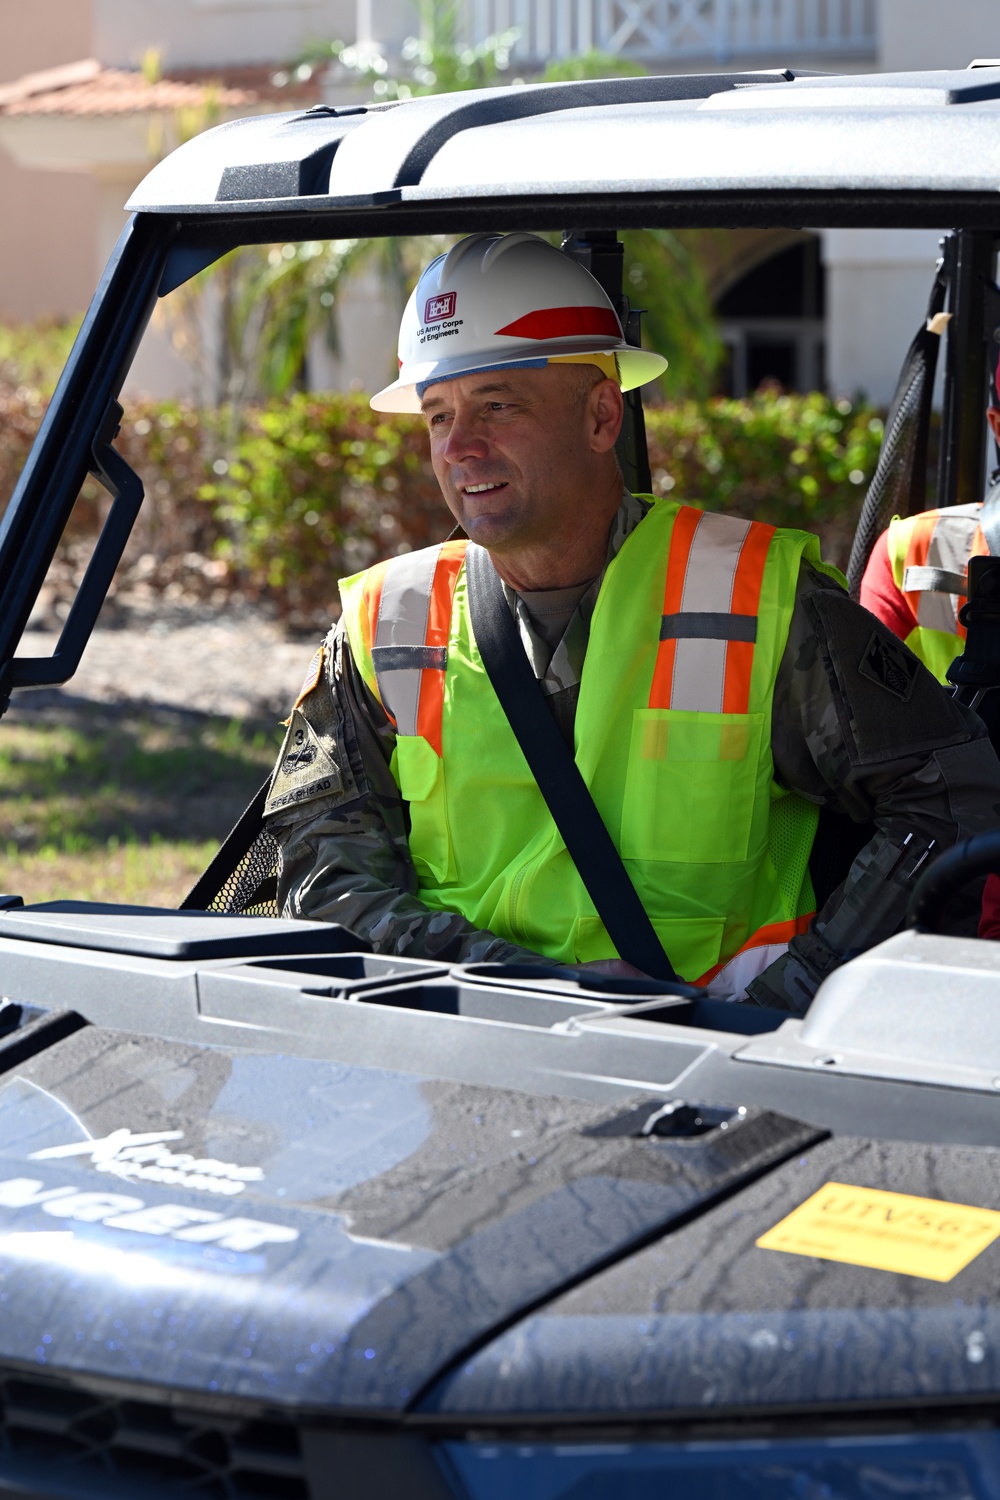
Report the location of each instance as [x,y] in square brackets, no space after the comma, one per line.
[549,759]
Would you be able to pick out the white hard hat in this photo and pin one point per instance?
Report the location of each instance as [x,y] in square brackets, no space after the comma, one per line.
[494,301]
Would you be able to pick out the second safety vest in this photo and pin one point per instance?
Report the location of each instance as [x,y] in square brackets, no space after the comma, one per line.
[672,738]
[929,555]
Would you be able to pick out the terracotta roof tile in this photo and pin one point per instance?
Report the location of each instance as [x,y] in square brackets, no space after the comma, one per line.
[87,88]
[49,78]
[260,82]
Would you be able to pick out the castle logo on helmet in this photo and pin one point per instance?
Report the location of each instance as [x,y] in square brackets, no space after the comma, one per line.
[436,309]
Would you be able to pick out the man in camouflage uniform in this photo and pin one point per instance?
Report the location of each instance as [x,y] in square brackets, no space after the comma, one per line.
[858,727]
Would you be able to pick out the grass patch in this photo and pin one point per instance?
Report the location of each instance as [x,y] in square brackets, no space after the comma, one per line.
[158,874]
[107,804]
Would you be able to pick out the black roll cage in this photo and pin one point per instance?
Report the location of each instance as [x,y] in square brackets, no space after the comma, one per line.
[158,252]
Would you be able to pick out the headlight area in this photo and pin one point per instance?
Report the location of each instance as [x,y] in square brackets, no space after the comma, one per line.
[951,1465]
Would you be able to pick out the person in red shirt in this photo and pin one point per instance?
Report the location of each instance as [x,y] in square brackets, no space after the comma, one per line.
[915,578]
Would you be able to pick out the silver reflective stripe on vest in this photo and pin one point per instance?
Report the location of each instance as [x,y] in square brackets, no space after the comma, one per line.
[700,660]
[399,651]
[932,581]
[947,559]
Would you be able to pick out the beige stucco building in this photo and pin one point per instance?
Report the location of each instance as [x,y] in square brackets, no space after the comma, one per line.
[93,91]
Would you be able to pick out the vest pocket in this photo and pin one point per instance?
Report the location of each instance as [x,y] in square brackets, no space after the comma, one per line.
[692,944]
[690,785]
[419,775]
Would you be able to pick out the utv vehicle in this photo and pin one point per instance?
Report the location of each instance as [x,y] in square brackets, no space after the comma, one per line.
[280,1217]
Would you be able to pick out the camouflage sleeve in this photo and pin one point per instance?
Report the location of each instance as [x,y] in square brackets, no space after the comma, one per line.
[862,728]
[336,812]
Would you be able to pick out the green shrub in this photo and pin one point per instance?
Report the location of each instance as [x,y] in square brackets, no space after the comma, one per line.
[319,486]
[33,354]
[21,412]
[802,461]
[322,486]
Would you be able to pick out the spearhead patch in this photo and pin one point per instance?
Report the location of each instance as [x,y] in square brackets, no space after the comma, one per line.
[305,769]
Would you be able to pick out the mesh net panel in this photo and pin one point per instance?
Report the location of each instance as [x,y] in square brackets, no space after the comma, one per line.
[899,484]
[252,886]
[243,876]
[789,845]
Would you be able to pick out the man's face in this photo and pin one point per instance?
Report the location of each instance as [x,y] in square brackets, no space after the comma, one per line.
[515,451]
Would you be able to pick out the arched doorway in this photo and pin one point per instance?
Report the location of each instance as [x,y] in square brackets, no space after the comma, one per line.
[772,322]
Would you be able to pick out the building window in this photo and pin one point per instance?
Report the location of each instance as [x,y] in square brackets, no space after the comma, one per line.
[771,322]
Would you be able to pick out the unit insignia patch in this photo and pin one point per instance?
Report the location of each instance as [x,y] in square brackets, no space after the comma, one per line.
[306,770]
[889,664]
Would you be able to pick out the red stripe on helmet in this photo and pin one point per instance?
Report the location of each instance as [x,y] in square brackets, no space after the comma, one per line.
[564,322]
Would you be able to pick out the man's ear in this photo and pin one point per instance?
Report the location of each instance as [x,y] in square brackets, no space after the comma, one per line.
[993,417]
[605,410]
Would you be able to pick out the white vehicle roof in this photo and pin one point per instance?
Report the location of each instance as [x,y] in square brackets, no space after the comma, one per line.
[663,145]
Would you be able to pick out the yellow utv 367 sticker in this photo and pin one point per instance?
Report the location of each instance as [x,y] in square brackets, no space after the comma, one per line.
[885,1231]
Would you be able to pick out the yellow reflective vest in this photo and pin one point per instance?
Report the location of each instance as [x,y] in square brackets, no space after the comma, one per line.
[672,738]
[929,555]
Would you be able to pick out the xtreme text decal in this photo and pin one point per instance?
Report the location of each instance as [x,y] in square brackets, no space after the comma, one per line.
[144,1158]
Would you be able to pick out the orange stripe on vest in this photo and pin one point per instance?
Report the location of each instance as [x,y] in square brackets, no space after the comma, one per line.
[746,601]
[774,932]
[430,712]
[685,525]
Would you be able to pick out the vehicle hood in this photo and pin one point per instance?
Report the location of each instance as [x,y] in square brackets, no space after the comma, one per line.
[305,1232]
[859,1274]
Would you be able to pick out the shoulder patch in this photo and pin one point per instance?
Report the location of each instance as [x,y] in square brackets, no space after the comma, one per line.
[305,770]
[890,665]
[888,705]
[313,673]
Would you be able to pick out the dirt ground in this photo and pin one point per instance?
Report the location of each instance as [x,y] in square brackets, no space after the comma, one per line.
[231,663]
